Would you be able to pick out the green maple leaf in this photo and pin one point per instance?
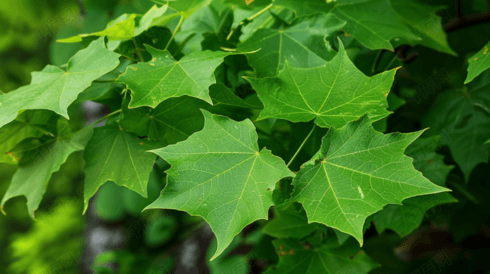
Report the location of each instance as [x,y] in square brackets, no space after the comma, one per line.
[333,94]
[29,124]
[289,222]
[163,77]
[54,89]
[374,32]
[306,7]
[403,219]
[220,174]
[478,63]
[296,44]
[115,155]
[357,172]
[296,258]
[462,119]
[45,158]
[423,22]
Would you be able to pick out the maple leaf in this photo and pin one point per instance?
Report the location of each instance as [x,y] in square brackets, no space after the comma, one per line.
[45,158]
[462,119]
[115,155]
[55,89]
[295,44]
[220,174]
[302,258]
[356,172]
[163,77]
[333,94]
[403,219]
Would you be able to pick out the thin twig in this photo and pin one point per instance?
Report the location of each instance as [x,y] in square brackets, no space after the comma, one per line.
[466,21]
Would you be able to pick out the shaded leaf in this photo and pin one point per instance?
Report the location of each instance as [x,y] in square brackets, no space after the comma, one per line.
[296,45]
[289,222]
[327,258]
[115,155]
[31,178]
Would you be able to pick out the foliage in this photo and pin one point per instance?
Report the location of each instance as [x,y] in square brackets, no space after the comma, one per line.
[299,128]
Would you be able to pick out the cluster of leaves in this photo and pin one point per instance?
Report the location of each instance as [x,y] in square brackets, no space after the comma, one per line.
[221,94]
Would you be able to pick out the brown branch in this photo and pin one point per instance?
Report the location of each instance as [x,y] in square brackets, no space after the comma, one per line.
[466,21]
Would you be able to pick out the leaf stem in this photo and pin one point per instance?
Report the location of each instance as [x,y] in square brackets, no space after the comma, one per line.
[106,117]
[104,81]
[249,19]
[302,145]
[175,31]
[138,52]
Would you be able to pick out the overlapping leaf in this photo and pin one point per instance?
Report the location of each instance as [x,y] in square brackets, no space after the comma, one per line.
[220,174]
[44,159]
[422,20]
[374,32]
[333,94]
[296,258]
[163,77]
[289,222]
[29,124]
[478,63]
[302,45]
[115,155]
[55,89]
[405,218]
[357,172]
[462,118]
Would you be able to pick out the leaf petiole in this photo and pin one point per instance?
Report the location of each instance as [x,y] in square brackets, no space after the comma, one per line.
[302,145]
[106,117]
[104,81]
[175,31]
[250,19]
